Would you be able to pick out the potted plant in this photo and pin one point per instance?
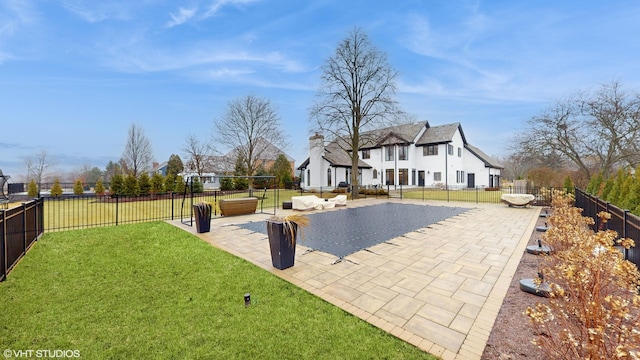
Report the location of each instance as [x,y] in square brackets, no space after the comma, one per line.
[283,231]
[202,213]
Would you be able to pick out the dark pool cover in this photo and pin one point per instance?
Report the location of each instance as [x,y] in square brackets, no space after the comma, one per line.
[344,232]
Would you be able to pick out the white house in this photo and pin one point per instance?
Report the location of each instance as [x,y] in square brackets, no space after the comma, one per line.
[410,155]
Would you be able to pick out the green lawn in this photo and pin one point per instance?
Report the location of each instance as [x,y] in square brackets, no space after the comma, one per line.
[151,290]
[466,195]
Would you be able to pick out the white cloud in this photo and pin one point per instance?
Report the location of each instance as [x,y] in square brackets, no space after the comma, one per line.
[183,16]
[226,73]
[6,56]
[137,57]
[16,17]
[216,5]
[94,12]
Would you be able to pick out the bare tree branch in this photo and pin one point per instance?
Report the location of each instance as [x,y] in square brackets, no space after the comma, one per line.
[596,131]
[138,155]
[37,165]
[198,154]
[247,128]
[356,95]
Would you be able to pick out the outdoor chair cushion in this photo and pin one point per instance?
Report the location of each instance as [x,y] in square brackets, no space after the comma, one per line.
[310,202]
[339,200]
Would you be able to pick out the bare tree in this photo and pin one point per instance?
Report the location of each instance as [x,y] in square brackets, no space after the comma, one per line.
[515,166]
[197,153]
[356,95]
[137,154]
[593,130]
[37,164]
[248,128]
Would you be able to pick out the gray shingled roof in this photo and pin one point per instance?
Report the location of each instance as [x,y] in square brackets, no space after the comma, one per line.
[440,134]
[398,134]
[488,160]
[336,156]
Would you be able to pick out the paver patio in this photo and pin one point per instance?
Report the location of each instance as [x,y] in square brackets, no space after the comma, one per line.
[439,287]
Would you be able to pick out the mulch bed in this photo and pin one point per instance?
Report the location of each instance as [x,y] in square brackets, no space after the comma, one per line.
[512,332]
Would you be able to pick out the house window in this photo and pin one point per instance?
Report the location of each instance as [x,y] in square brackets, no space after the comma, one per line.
[430,150]
[413,176]
[375,173]
[460,176]
[403,176]
[403,152]
[329,177]
[366,154]
[389,153]
[450,149]
[308,177]
[437,176]
[389,176]
[459,152]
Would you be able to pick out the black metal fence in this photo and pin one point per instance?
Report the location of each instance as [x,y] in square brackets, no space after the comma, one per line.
[20,227]
[84,211]
[444,193]
[626,224]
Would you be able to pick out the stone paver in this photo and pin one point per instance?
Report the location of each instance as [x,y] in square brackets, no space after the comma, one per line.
[439,288]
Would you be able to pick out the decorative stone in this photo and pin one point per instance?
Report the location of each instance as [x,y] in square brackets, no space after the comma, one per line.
[538,249]
[529,286]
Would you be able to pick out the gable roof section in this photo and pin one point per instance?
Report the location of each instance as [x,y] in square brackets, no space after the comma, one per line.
[155,168]
[337,157]
[398,134]
[440,134]
[488,160]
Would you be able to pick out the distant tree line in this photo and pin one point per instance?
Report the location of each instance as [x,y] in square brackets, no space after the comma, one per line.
[591,132]
[621,190]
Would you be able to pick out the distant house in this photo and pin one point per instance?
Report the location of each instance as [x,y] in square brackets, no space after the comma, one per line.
[159,168]
[410,155]
[218,166]
[267,153]
[208,180]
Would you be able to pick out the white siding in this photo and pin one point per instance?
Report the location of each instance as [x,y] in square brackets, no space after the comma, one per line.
[454,168]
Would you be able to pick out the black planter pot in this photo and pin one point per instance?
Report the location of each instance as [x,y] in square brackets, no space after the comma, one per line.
[282,252]
[203,221]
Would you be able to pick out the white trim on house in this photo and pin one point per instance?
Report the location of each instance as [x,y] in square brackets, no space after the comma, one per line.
[409,155]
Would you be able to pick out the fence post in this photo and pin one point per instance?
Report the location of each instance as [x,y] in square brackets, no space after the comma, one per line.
[624,232]
[172,205]
[116,209]
[3,245]
[24,228]
[35,220]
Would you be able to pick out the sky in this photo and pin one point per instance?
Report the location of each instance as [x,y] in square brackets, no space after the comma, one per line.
[76,74]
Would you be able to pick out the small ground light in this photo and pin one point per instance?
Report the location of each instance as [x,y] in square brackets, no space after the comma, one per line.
[247,299]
